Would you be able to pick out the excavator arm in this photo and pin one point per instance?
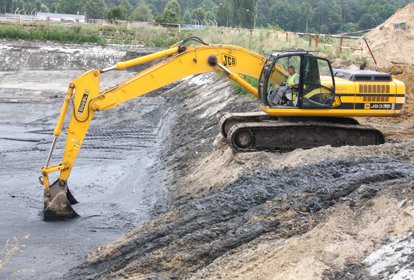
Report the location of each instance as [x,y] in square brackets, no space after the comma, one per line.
[85,98]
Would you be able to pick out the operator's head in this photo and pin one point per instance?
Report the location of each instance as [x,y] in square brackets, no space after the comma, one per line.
[291,70]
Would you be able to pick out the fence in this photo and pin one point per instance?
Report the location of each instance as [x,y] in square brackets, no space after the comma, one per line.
[358,43]
[48,17]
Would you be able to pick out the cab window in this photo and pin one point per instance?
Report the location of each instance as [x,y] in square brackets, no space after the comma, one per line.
[318,86]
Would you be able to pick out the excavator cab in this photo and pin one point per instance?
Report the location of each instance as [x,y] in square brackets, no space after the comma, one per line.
[316,88]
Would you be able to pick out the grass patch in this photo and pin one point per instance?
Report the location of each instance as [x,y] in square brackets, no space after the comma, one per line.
[241,90]
[10,249]
[263,40]
[151,36]
[42,32]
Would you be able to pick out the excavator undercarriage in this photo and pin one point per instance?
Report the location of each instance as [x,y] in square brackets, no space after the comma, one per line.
[249,132]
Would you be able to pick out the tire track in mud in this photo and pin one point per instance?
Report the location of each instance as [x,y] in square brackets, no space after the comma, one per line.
[197,231]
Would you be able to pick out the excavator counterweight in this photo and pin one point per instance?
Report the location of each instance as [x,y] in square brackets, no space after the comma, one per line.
[308,108]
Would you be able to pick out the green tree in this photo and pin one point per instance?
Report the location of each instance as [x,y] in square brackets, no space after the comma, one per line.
[143,12]
[367,21]
[72,7]
[54,7]
[171,13]
[44,9]
[96,9]
[210,15]
[126,5]
[245,13]
[198,14]
[225,14]
[14,5]
[117,13]
[307,12]
[39,4]
[187,17]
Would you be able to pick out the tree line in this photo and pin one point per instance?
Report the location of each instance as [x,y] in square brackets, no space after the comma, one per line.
[322,16]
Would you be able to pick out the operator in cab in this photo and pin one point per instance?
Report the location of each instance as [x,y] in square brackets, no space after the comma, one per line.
[278,96]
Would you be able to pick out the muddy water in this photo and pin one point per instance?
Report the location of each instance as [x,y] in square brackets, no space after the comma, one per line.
[112,179]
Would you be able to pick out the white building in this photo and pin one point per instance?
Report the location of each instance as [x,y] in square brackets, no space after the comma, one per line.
[61,17]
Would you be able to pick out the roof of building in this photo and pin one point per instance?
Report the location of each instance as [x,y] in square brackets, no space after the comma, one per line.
[61,15]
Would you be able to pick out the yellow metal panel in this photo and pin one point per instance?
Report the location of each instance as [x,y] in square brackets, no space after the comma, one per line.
[191,62]
[86,88]
[400,100]
[347,99]
[400,87]
[146,58]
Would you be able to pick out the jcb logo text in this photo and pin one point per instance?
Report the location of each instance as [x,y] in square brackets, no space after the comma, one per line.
[229,60]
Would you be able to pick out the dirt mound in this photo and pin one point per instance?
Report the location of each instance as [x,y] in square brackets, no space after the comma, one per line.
[405,74]
[393,41]
[282,203]
[402,127]
[391,261]
[347,232]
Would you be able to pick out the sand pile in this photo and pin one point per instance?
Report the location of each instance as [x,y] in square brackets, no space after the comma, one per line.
[393,41]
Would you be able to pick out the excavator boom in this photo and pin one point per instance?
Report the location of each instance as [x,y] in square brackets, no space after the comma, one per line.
[85,98]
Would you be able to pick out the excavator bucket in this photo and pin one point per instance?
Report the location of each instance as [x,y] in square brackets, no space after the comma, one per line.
[58,200]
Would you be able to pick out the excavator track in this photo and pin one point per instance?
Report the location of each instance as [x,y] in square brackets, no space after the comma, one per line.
[287,135]
[230,119]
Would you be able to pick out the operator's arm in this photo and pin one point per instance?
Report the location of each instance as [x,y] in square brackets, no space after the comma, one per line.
[182,61]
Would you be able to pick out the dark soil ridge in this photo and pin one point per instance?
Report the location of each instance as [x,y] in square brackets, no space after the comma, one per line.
[197,232]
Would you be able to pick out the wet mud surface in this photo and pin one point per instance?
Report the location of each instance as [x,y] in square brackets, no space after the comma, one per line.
[111,178]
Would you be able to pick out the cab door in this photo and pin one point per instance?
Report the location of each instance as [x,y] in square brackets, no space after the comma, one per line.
[318,83]
[275,74]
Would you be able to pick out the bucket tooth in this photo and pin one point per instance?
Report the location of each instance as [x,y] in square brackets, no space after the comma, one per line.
[71,198]
[57,202]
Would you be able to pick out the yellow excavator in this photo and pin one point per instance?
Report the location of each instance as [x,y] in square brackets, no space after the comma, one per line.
[317,111]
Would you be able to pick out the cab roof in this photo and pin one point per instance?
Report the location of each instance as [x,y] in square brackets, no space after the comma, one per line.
[292,52]
[362,75]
